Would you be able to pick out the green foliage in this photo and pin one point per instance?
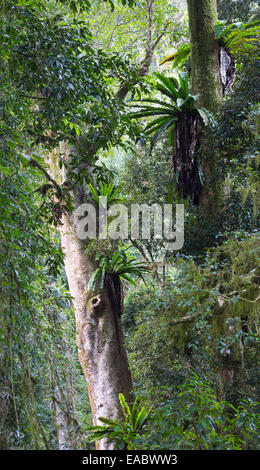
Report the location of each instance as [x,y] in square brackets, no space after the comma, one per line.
[168,327]
[232,37]
[131,3]
[58,84]
[47,65]
[126,23]
[193,418]
[238,10]
[121,263]
[197,321]
[107,191]
[179,58]
[236,148]
[196,419]
[181,102]
[147,177]
[125,433]
[37,329]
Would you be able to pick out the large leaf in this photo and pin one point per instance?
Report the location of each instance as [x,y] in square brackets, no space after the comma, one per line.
[156,126]
[124,406]
[207,117]
[141,419]
[236,33]
[162,103]
[128,278]
[184,86]
[165,91]
[179,57]
[153,112]
[155,123]
[168,83]
[94,193]
[241,36]
[162,129]
[220,28]
[227,36]
[171,137]
[180,60]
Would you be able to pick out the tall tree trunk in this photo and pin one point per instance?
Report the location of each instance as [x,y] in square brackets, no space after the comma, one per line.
[212,75]
[206,80]
[205,53]
[63,397]
[63,425]
[99,330]
[99,333]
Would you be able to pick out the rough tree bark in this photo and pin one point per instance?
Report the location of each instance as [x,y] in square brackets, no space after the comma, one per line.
[206,80]
[99,331]
[213,72]
[186,145]
[205,53]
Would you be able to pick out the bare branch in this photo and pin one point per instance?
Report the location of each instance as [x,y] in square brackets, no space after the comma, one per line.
[140,249]
[186,319]
[152,264]
[149,50]
[32,97]
[161,35]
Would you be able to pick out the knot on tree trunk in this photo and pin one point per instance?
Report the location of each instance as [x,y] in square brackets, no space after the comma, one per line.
[114,293]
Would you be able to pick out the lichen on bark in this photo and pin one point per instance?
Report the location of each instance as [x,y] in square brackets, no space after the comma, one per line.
[206,82]
[204,53]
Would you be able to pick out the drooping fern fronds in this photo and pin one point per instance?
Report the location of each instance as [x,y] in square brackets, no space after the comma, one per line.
[121,264]
[231,37]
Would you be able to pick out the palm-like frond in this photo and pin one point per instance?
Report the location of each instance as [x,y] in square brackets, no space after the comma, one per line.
[108,191]
[236,33]
[179,57]
[124,432]
[122,264]
[230,37]
[166,113]
[170,84]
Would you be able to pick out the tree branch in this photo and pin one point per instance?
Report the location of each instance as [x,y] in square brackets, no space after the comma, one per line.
[140,249]
[186,319]
[161,35]
[33,163]
[145,64]
[143,70]
[152,264]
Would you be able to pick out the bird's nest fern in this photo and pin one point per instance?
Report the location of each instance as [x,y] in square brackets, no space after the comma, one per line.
[230,37]
[111,271]
[177,113]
